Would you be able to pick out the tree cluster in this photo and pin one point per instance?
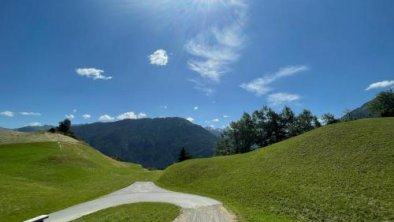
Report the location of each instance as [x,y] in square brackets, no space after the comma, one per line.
[63,128]
[265,127]
[383,104]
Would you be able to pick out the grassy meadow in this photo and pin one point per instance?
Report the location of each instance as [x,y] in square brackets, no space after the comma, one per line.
[40,178]
[342,172]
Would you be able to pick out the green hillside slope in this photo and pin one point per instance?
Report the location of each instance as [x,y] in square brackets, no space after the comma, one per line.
[42,177]
[342,172]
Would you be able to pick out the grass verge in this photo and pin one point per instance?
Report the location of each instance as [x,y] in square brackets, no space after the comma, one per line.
[140,212]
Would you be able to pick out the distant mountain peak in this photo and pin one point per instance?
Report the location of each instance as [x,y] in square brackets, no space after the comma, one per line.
[150,142]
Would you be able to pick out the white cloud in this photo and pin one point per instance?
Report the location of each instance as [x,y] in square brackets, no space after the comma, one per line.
[30,114]
[75,110]
[70,116]
[131,115]
[93,73]
[382,84]
[258,86]
[86,116]
[159,57]
[215,120]
[195,108]
[7,114]
[262,86]
[226,116]
[191,119]
[164,107]
[216,48]
[35,124]
[282,98]
[106,118]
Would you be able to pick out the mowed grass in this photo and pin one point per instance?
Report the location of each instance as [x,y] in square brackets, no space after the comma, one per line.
[40,178]
[342,172]
[140,212]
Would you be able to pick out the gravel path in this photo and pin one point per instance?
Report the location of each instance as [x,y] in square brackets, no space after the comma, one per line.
[194,208]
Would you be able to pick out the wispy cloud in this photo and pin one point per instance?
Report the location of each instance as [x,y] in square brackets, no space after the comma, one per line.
[208,91]
[262,86]
[106,118]
[215,120]
[159,57]
[282,98]
[215,49]
[131,115]
[226,116]
[69,116]
[379,85]
[191,119]
[7,113]
[195,108]
[30,114]
[35,124]
[93,73]
[86,116]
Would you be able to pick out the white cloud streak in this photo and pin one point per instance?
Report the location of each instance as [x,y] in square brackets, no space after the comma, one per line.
[282,98]
[379,85]
[215,49]
[262,86]
[7,113]
[35,124]
[208,91]
[190,119]
[106,118]
[215,120]
[30,114]
[195,108]
[93,73]
[131,115]
[70,116]
[86,116]
[159,58]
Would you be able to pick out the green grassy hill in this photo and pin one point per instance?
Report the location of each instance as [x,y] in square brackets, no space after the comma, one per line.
[342,172]
[42,177]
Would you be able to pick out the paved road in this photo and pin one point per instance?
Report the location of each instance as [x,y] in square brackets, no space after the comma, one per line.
[194,208]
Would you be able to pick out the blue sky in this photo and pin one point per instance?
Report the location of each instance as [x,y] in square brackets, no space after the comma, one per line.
[209,60]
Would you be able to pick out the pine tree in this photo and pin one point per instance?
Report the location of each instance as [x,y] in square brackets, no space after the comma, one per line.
[184,155]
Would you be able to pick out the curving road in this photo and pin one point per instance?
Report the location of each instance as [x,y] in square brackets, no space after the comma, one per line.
[194,208]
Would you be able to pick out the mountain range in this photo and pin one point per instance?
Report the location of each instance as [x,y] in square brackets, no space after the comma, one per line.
[28,129]
[156,143]
[360,113]
[215,131]
[153,143]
